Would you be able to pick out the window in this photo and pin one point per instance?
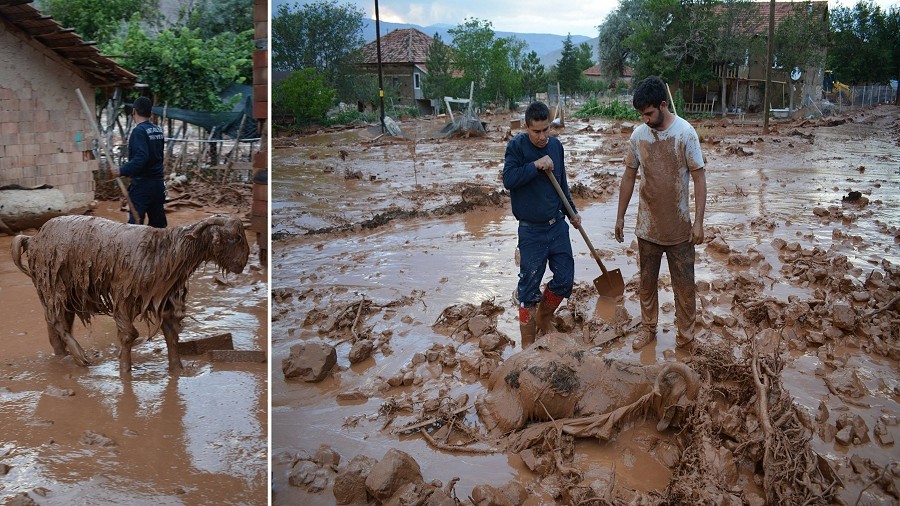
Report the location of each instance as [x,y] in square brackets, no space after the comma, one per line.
[416,83]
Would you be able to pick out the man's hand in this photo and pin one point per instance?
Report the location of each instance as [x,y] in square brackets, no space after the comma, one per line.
[114,172]
[576,220]
[697,234]
[544,163]
[620,229]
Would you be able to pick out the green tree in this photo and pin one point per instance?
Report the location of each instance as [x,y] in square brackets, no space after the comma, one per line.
[614,54]
[322,35]
[889,39]
[534,76]
[584,56]
[504,76]
[306,95]
[863,47]
[99,20]
[438,83]
[212,17]
[801,37]
[181,68]
[472,44]
[567,68]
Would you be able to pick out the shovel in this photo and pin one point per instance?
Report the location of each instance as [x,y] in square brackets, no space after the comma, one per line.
[610,283]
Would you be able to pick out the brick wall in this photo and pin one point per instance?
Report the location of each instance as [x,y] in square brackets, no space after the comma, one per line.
[44,137]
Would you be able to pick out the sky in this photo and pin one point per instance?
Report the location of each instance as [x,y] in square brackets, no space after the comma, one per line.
[561,17]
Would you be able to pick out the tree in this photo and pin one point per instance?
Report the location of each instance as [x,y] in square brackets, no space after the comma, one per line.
[321,35]
[504,77]
[614,54]
[858,52]
[438,83]
[567,71]
[212,17]
[99,20]
[181,68]
[889,38]
[534,76]
[584,56]
[472,43]
[305,94]
[800,38]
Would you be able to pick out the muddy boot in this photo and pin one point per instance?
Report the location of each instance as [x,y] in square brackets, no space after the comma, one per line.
[544,318]
[527,325]
[645,336]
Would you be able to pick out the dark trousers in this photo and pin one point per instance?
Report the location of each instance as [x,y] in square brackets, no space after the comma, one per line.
[148,197]
[681,269]
[540,245]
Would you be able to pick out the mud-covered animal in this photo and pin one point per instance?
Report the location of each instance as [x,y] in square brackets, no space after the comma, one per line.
[85,265]
[556,378]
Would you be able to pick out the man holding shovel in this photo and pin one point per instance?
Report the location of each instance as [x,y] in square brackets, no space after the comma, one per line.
[543,234]
[667,151]
[145,167]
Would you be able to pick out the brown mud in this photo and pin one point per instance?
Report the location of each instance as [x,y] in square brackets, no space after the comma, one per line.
[81,435]
[798,324]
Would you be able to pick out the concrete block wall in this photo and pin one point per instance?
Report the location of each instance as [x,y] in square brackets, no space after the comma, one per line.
[44,136]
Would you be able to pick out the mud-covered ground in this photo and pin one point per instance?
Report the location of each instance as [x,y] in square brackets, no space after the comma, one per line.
[399,254]
[81,435]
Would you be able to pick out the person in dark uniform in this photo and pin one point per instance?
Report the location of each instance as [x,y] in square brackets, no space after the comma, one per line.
[145,167]
[543,234]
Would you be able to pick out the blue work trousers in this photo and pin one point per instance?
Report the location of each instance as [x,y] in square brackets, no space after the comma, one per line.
[538,246]
[148,197]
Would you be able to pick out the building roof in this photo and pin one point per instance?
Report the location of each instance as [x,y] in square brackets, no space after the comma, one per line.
[760,23]
[406,45]
[83,57]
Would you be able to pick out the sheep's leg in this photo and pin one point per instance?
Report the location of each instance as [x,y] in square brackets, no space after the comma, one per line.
[59,329]
[171,327]
[127,335]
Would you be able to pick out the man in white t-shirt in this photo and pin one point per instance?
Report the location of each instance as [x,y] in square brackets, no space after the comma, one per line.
[666,149]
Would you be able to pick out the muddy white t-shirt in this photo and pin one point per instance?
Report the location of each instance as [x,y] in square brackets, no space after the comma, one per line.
[664,160]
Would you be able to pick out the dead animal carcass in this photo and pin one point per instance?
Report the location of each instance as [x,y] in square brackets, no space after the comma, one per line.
[555,378]
[85,265]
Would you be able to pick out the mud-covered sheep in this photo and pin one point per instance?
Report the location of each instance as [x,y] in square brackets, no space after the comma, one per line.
[85,265]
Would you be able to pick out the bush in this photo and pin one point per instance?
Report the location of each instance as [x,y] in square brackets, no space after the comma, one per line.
[305,95]
[615,110]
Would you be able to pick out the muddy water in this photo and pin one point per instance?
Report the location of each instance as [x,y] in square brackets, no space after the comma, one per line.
[199,437]
[439,262]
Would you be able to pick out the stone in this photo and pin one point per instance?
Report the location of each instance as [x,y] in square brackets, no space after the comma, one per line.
[486,495]
[393,471]
[843,316]
[845,435]
[361,350]
[719,245]
[326,456]
[310,362]
[491,342]
[479,324]
[303,473]
[350,482]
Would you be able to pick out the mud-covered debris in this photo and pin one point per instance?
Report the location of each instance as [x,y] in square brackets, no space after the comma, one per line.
[493,342]
[846,382]
[361,350]
[22,499]
[512,494]
[5,469]
[843,316]
[310,362]
[91,438]
[56,391]
[719,245]
[350,482]
[394,471]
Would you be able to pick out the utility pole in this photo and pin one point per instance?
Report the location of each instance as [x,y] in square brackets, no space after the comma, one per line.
[378,50]
[765,106]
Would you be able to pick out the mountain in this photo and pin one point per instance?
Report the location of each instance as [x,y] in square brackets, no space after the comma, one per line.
[544,44]
[550,59]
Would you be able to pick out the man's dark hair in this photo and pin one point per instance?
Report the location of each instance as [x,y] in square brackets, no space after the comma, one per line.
[537,111]
[143,106]
[650,91]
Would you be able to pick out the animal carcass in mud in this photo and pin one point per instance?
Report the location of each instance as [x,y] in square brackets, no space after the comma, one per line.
[85,265]
[556,378]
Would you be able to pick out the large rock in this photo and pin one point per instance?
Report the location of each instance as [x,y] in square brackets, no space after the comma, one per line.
[350,483]
[309,361]
[392,472]
[843,316]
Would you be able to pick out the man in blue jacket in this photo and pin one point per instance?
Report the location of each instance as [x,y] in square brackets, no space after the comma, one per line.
[543,234]
[145,167]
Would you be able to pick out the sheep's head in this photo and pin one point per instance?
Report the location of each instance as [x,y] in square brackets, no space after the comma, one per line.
[227,241]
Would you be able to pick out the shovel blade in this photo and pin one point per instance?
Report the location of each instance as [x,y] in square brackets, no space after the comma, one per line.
[610,284]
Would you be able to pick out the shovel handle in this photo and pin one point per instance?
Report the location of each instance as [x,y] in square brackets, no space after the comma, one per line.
[571,213]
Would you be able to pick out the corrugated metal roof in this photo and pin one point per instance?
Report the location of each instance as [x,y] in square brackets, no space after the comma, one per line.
[83,57]
[406,45]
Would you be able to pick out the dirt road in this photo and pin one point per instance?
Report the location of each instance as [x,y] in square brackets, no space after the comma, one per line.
[375,239]
[80,435]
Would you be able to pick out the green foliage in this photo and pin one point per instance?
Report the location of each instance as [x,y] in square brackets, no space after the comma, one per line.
[472,43]
[438,83]
[615,110]
[567,68]
[212,17]
[534,76]
[352,116]
[99,20]
[306,95]
[865,43]
[799,38]
[181,68]
[320,35]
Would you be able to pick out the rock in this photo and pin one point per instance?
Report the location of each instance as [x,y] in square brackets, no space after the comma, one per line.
[326,457]
[778,243]
[5,469]
[440,498]
[846,382]
[832,332]
[391,473]
[539,465]
[479,324]
[492,342]
[821,212]
[91,438]
[883,434]
[56,391]
[22,499]
[739,259]
[350,482]
[860,296]
[204,344]
[418,358]
[309,362]
[303,473]
[843,316]
[845,435]
[486,495]
[515,492]
[360,351]
[353,395]
[719,245]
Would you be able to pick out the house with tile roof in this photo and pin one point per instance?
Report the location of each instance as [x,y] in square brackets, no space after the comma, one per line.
[403,56]
[45,138]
